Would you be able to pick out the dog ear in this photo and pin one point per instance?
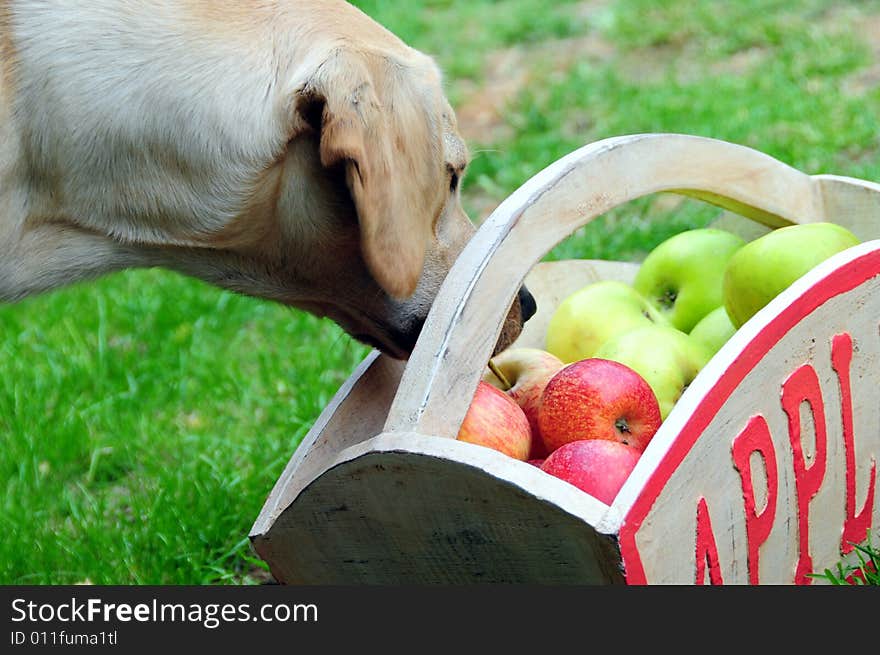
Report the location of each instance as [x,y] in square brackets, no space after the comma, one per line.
[372,125]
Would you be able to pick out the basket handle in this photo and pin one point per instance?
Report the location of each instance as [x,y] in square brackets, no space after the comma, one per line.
[465,320]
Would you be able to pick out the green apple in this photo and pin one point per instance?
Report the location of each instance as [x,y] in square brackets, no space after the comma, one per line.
[763,268]
[714,329]
[683,275]
[666,357]
[590,316]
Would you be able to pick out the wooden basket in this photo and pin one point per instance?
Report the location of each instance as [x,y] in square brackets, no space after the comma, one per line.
[763,472]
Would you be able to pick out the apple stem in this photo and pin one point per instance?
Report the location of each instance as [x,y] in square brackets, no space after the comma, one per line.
[498,374]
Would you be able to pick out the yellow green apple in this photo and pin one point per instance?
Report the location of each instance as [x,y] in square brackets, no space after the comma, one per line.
[763,268]
[683,275]
[714,329]
[590,316]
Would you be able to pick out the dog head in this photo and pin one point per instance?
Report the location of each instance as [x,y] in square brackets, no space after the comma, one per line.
[370,201]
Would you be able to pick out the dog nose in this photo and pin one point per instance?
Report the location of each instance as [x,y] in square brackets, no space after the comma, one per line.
[527,303]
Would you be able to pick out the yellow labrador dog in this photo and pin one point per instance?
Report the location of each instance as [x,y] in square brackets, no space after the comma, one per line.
[290,150]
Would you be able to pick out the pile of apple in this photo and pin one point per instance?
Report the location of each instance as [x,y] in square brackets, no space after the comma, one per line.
[618,356]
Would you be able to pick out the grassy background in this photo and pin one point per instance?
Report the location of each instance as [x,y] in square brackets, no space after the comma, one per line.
[144,417]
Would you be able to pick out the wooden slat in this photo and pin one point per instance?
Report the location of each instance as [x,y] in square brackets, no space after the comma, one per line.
[408,509]
[852,203]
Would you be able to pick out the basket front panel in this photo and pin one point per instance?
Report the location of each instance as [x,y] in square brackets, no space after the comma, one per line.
[768,467]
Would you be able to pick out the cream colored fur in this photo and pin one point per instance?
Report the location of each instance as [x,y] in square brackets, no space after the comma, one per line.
[294,151]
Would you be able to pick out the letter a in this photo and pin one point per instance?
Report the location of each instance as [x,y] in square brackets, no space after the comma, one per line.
[706,551]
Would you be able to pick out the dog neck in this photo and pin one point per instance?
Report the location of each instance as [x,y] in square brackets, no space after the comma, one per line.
[71,211]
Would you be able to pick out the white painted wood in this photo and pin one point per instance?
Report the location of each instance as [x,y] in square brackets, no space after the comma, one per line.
[379,490]
[406,508]
[852,203]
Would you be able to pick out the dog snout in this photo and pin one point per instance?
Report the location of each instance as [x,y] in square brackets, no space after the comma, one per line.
[398,339]
[527,304]
[521,310]
[407,336]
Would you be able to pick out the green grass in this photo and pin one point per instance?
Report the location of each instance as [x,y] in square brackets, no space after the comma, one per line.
[144,417]
[680,74]
[863,570]
[460,34]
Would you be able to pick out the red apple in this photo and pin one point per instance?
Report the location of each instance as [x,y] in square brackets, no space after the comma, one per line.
[494,420]
[536,462]
[598,399]
[597,466]
[526,372]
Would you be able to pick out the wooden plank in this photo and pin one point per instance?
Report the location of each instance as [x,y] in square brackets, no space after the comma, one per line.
[852,203]
[409,509]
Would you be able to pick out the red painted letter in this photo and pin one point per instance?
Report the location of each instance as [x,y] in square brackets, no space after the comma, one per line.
[707,551]
[755,438]
[855,526]
[803,386]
